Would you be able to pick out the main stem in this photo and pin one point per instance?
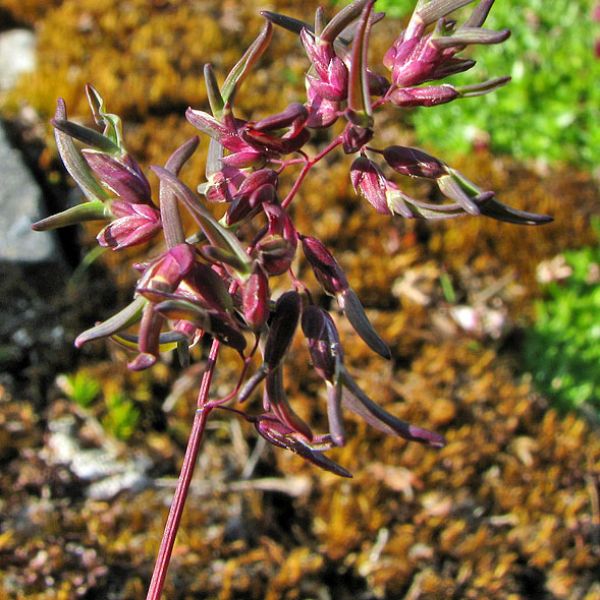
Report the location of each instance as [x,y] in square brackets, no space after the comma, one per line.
[185,477]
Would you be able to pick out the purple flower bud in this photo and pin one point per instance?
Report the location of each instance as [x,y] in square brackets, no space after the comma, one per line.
[204,285]
[275,254]
[323,342]
[322,112]
[355,137]
[243,159]
[166,273]
[121,176]
[424,96]
[255,299]
[414,162]
[326,269]
[320,54]
[135,224]
[368,181]
[282,328]
[222,185]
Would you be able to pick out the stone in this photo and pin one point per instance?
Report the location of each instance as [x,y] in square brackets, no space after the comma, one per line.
[17,56]
[21,204]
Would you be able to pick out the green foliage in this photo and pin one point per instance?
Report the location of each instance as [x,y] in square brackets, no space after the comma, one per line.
[562,350]
[122,416]
[82,388]
[550,110]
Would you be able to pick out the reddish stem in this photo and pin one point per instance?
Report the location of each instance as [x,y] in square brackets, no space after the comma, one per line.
[185,477]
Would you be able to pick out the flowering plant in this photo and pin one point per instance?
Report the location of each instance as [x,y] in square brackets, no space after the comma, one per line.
[215,282]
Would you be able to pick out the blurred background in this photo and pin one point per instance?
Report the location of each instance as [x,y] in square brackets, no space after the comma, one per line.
[495,332]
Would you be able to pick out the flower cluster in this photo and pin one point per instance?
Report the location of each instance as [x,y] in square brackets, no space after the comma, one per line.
[216,281]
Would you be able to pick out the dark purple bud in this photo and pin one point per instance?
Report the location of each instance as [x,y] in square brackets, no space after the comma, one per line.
[368,181]
[275,254]
[256,180]
[356,137]
[432,95]
[294,112]
[282,328]
[355,313]
[126,182]
[326,269]
[255,299]
[323,342]
[322,113]
[135,224]
[414,162]
[358,402]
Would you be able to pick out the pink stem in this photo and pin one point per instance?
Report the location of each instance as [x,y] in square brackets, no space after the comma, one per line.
[185,477]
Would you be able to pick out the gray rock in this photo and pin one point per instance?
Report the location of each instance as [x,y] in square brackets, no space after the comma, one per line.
[17,56]
[21,205]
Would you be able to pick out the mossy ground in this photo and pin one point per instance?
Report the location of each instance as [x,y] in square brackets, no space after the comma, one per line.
[508,510]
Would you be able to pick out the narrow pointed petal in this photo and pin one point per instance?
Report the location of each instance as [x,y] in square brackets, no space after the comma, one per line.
[278,403]
[178,159]
[430,11]
[251,384]
[212,90]
[471,35]
[485,87]
[126,317]
[110,122]
[88,136]
[283,119]
[289,23]
[74,162]
[87,211]
[480,14]
[355,313]
[342,20]
[501,212]
[451,188]
[360,110]
[242,68]
[358,402]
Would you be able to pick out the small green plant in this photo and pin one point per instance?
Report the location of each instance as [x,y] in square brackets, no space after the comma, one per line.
[562,349]
[122,416]
[81,388]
